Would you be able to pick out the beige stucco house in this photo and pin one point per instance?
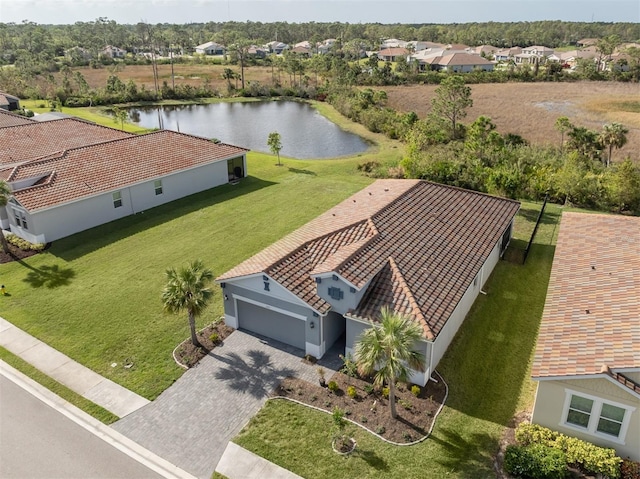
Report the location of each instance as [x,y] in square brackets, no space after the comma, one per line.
[587,361]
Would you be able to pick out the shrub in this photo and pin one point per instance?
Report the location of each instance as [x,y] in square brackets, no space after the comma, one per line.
[333,386]
[214,337]
[405,404]
[363,419]
[415,390]
[586,456]
[629,469]
[380,430]
[368,388]
[385,392]
[535,461]
[23,244]
[351,392]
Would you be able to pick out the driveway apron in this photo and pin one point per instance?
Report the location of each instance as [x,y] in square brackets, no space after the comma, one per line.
[191,422]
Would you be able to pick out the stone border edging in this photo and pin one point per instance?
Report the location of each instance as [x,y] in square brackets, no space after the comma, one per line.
[433,423]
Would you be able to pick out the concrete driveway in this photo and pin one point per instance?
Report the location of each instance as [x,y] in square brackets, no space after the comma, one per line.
[191,423]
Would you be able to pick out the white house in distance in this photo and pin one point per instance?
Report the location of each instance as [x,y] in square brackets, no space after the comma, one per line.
[420,248]
[211,48]
[61,192]
[587,361]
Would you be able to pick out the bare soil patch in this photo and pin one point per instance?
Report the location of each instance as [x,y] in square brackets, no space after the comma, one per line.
[371,409]
[213,335]
[531,109]
[15,254]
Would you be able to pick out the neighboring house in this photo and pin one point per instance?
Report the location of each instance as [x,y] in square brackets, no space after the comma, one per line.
[393,43]
[78,53]
[325,47]
[587,42]
[506,54]
[256,52]
[302,51]
[484,50]
[76,189]
[421,248]
[53,115]
[417,45]
[113,52]
[459,63]
[572,57]
[9,102]
[587,361]
[11,119]
[392,54]
[457,47]
[534,54]
[28,141]
[277,47]
[211,48]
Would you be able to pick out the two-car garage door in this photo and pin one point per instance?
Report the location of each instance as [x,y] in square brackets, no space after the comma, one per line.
[272,324]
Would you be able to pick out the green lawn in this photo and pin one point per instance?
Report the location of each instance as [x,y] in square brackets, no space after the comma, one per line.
[65,393]
[96,295]
[487,368]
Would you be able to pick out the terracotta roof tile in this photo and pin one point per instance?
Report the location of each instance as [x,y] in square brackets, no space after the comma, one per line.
[95,169]
[11,119]
[35,139]
[419,243]
[592,312]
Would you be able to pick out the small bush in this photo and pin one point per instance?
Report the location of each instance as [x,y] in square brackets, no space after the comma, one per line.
[405,404]
[535,462]
[23,244]
[313,398]
[629,469]
[415,390]
[380,430]
[385,392]
[407,436]
[363,419]
[368,388]
[214,337]
[333,386]
[351,392]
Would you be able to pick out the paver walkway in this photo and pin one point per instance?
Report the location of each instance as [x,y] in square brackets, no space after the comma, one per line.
[238,463]
[191,423]
[102,391]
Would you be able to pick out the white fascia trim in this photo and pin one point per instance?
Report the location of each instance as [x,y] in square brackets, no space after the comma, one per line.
[255,275]
[594,416]
[237,297]
[146,180]
[590,376]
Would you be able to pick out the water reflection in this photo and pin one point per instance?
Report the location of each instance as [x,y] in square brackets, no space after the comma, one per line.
[304,132]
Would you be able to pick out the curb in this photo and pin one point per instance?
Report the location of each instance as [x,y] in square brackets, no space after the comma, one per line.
[104,432]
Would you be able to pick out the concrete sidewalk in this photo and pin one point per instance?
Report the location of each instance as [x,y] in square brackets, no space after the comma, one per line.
[102,391]
[238,463]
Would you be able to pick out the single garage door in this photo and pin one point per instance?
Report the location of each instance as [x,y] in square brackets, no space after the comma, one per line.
[271,324]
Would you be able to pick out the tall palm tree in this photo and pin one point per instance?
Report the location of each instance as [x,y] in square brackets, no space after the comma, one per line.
[186,290]
[614,135]
[388,347]
[4,198]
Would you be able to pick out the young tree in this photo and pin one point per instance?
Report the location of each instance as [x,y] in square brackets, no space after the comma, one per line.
[388,347]
[452,99]
[562,125]
[228,75]
[120,116]
[275,144]
[187,290]
[4,199]
[614,135]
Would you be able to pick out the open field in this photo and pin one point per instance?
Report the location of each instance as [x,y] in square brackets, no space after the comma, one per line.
[487,368]
[531,109]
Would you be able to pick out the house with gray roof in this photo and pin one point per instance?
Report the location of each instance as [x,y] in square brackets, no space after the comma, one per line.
[423,249]
[9,102]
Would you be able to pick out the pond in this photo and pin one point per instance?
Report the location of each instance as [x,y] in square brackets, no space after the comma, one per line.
[304,132]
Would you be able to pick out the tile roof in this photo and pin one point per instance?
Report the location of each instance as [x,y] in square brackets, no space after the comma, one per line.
[592,313]
[419,244]
[463,59]
[11,119]
[108,166]
[29,141]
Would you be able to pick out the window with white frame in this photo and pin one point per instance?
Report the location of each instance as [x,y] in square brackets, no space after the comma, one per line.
[16,215]
[24,221]
[157,185]
[596,416]
[117,199]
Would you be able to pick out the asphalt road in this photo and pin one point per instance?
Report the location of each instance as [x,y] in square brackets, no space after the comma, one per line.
[36,441]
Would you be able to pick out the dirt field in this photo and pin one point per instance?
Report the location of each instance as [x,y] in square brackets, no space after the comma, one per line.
[531,109]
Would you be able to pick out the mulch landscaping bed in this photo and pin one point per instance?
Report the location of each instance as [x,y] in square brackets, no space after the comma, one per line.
[371,410]
[189,355]
[15,254]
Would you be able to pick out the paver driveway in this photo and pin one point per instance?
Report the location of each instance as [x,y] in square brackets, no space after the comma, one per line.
[190,423]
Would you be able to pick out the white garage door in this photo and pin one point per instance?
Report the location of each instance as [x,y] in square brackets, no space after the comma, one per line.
[272,324]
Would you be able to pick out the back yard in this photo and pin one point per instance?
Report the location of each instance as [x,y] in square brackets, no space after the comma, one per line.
[487,369]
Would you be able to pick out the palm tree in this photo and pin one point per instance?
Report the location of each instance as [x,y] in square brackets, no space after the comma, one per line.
[562,125]
[186,289]
[614,135]
[4,198]
[388,347]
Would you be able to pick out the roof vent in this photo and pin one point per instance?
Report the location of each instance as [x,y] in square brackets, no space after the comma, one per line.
[587,311]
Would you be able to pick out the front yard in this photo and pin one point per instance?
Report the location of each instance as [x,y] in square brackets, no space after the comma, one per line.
[487,369]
